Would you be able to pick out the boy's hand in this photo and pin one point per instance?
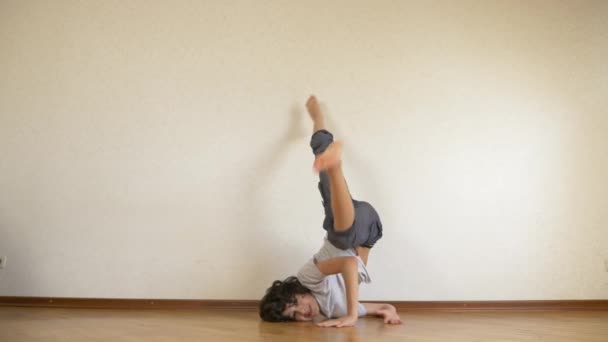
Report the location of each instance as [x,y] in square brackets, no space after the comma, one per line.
[346,321]
[390,316]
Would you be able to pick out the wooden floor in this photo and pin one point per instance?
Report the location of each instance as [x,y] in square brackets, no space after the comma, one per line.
[52,324]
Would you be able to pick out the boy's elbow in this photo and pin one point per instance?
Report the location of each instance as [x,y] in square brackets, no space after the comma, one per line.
[351,263]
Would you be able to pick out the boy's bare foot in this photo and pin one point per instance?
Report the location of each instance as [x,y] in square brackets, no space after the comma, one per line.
[332,157]
[314,109]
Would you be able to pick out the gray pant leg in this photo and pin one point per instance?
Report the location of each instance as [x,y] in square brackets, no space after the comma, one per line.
[319,142]
[367,228]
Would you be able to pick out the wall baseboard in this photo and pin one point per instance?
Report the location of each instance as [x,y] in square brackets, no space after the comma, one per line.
[117,303]
[507,305]
[124,303]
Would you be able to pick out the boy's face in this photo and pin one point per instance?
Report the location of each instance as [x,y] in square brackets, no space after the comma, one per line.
[305,309]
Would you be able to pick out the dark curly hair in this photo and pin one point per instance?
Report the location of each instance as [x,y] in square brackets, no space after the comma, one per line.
[278,297]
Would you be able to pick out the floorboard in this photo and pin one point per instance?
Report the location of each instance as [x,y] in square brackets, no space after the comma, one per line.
[20,324]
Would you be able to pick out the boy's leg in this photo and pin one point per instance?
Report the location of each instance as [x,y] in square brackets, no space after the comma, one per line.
[341,210]
[341,202]
[328,159]
[314,110]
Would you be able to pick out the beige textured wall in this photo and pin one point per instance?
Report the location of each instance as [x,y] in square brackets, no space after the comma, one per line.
[160,148]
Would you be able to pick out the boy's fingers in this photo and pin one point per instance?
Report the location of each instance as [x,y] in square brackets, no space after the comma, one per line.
[327,323]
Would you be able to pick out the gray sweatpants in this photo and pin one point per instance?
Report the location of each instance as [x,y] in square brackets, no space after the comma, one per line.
[366,229]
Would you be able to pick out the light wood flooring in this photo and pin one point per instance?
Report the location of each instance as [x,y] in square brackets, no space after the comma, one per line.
[19,324]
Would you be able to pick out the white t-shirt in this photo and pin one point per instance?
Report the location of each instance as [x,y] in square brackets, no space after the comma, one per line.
[330,290]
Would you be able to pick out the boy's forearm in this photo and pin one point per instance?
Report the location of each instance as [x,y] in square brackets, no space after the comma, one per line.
[350,273]
[376,308]
[348,267]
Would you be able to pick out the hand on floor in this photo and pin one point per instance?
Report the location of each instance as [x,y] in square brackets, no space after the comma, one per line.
[345,321]
[390,316]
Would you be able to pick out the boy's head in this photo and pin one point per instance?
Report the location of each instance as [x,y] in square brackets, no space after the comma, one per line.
[288,300]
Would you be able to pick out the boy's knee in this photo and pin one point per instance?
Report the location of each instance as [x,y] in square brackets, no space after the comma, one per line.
[320,140]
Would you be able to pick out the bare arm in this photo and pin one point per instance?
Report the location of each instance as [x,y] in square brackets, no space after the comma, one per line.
[349,268]
[386,311]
